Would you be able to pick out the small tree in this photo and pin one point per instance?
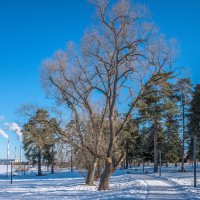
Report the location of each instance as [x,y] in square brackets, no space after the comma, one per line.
[38,136]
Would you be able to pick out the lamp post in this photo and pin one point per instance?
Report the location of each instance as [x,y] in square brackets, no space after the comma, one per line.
[194,159]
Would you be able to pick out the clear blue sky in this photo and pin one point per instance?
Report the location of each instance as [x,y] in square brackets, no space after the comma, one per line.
[32,30]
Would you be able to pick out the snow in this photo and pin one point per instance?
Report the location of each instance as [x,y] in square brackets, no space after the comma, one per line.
[70,185]
[48,187]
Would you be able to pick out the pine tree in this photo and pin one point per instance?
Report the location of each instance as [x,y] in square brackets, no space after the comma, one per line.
[183,92]
[54,129]
[39,137]
[132,142]
[194,119]
[171,142]
[151,111]
[159,114]
[172,147]
[146,140]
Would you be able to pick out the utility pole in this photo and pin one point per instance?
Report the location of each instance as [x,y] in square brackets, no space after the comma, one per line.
[194,160]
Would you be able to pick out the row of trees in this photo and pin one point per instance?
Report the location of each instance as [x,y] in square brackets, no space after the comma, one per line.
[119,87]
[163,124]
[158,122]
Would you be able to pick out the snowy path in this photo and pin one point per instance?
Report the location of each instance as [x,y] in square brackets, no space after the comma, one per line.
[157,188]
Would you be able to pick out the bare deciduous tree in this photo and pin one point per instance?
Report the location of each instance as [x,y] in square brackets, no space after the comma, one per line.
[117,61]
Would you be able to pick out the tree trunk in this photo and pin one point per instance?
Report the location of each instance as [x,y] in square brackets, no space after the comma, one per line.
[108,170]
[104,181]
[155,150]
[91,173]
[156,142]
[52,168]
[97,173]
[127,157]
[72,167]
[39,164]
[52,161]
[183,139]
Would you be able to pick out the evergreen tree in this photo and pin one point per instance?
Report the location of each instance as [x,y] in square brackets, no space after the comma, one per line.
[158,112]
[151,111]
[132,142]
[146,140]
[183,92]
[39,138]
[194,119]
[171,143]
[172,147]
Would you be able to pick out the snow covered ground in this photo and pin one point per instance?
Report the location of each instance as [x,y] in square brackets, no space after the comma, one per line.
[66,185]
[70,185]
